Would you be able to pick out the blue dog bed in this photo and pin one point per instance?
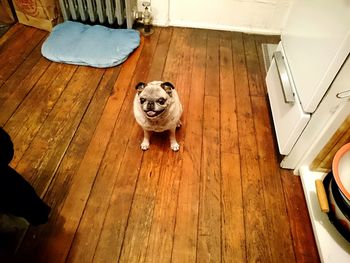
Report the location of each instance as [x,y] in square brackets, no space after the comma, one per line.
[96,46]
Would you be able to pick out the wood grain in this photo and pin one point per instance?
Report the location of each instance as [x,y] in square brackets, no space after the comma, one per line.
[277,224]
[304,246]
[160,240]
[141,215]
[185,232]
[65,176]
[6,38]
[14,53]
[232,218]
[256,86]
[252,184]
[85,177]
[127,176]
[209,223]
[221,198]
[21,82]
[37,106]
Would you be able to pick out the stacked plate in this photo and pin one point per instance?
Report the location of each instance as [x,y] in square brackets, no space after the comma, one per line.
[334,198]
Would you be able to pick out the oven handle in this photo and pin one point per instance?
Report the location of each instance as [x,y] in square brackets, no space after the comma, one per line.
[283,75]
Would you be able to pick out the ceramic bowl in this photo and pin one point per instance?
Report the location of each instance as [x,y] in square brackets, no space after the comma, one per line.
[341,171]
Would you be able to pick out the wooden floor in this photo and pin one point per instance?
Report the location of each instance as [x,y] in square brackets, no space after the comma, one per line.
[221,198]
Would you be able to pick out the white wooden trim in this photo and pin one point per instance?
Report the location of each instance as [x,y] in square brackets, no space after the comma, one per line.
[250,30]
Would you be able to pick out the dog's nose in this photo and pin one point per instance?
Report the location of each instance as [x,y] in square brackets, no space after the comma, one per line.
[150,105]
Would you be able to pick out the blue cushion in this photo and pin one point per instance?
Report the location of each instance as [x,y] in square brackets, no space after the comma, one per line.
[97,46]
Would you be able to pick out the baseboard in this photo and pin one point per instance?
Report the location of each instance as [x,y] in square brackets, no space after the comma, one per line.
[250,30]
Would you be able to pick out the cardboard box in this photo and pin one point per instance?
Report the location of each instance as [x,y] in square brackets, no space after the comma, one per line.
[41,14]
[6,16]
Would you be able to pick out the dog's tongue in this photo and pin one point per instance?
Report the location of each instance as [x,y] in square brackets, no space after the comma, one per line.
[151,113]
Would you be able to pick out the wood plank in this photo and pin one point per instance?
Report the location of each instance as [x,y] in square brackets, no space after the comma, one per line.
[111,238]
[255,80]
[41,159]
[17,87]
[252,189]
[209,228]
[277,219]
[59,188]
[212,65]
[17,50]
[232,219]
[160,240]
[81,184]
[141,215]
[259,40]
[302,236]
[156,71]
[209,224]
[37,105]
[210,201]
[59,241]
[186,227]
[277,226]
[97,205]
[12,32]
[126,171]
[174,57]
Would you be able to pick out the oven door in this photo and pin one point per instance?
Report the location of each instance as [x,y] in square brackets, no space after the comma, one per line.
[288,116]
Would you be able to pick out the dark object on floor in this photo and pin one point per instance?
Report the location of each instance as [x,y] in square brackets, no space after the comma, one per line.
[3,29]
[17,196]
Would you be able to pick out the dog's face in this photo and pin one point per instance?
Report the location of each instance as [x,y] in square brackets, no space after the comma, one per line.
[155,97]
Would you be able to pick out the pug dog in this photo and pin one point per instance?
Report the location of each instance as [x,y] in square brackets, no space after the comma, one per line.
[157,108]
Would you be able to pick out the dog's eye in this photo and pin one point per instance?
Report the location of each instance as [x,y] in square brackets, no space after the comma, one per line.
[161,101]
[142,100]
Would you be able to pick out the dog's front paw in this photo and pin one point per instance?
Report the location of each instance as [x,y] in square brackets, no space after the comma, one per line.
[144,146]
[175,146]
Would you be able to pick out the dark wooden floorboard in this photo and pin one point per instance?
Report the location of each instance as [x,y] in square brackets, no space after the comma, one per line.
[185,232]
[81,250]
[233,234]
[209,224]
[255,218]
[9,60]
[222,197]
[160,240]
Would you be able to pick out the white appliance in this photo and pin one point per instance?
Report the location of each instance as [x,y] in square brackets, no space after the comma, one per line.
[308,84]
[315,42]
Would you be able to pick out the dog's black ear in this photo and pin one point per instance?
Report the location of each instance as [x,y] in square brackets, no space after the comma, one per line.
[140,86]
[168,87]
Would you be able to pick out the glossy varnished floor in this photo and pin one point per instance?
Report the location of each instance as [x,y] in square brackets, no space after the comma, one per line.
[222,197]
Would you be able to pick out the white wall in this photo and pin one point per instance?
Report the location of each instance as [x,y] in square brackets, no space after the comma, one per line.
[256,16]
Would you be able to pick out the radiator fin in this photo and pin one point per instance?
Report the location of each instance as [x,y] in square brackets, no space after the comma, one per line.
[99,11]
